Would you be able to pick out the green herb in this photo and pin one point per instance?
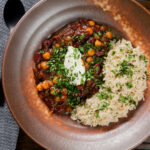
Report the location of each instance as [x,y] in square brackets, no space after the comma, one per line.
[97,68]
[121,50]
[97,114]
[132,102]
[91,112]
[124,99]
[102,95]
[42,52]
[103,105]
[55,92]
[129,85]
[108,89]
[125,69]
[146,74]
[47,93]
[142,57]
[82,81]
[99,34]
[62,44]
[73,101]
[81,49]
[115,37]
[110,97]
[127,99]
[119,85]
[75,64]
[113,53]
[81,37]
[114,71]
[88,46]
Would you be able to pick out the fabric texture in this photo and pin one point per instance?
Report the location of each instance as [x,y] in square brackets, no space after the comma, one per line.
[8,127]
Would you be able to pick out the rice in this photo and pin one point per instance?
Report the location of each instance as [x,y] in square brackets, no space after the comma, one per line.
[125,74]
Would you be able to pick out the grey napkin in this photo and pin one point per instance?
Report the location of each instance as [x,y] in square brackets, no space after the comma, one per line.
[8,127]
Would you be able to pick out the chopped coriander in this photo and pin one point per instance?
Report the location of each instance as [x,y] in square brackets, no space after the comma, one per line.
[81,49]
[99,96]
[62,44]
[81,37]
[146,74]
[108,89]
[114,71]
[142,57]
[125,69]
[103,105]
[42,52]
[97,114]
[113,53]
[124,99]
[115,37]
[99,34]
[132,102]
[129,85]
[47,93]
[121,49]
[102,95]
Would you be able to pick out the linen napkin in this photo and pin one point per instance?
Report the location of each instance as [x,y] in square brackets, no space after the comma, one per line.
[8,127]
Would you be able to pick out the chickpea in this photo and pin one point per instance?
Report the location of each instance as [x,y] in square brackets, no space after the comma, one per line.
[50,83]
[78,24]
[57,45]
[64,91]
[63,98]
[109,35]
[89,30]
[87,66]
[39,87]
[91,52]
[44,65]
[45,85]
[82,62]
[55,80]
[98,43]
[46,56]
[68,38]
[89,59]
[57,99]
[91,23]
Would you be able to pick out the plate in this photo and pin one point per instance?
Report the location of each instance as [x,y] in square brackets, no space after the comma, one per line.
[129,19]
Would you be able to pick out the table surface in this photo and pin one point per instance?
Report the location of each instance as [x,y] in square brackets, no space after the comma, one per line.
[25,143]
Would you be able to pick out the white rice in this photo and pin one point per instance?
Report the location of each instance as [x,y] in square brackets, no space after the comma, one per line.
[119,98]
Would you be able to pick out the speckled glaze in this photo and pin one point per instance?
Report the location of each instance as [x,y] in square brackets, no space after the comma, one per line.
[127,18]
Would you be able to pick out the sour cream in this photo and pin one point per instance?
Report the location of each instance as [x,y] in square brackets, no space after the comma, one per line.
[74,66]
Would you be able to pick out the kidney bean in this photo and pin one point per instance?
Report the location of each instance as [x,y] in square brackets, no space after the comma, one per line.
[100,53]
[77,44]
[91,40]
[37,57]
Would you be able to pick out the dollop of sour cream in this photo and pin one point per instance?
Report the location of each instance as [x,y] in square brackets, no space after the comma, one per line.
[74,66]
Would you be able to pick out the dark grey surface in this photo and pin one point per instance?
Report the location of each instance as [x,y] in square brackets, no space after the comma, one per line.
[8,128]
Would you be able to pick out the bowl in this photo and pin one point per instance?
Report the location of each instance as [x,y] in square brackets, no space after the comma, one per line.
[128,19]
